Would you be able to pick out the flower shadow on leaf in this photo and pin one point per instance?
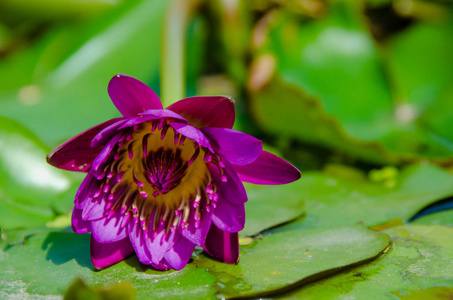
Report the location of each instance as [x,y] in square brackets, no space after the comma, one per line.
[62,248]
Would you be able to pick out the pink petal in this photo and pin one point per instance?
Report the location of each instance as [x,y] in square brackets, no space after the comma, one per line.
[138,240]
[179,255]
[131,96]
[86,189]
[159,242]
[192,133]
[107,133]
[237,147]
[191,232]
[94,209]
[109,230]
[228,217]
[268,169]
[78,224]
[104,154]
[153,114]
[76,154]
[232,190]
[207,111]
[104,255]
[162,266]
[222,245]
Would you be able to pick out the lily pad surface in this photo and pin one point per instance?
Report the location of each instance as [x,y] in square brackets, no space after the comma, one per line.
[281,261]
[46,265]
[333,201]
[269,206]
[420,263]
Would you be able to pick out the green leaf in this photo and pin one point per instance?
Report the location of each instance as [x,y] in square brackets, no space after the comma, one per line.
[421,259]
[422,83]
[444,218]
[80,291]
[70,93]
[46,265]
[28,184]
[283,260]
[270,206]
[333,201]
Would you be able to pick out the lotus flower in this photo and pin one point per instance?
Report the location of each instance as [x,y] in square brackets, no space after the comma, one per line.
[161,181]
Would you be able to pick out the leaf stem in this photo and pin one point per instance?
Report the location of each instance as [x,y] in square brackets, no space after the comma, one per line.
[173,50]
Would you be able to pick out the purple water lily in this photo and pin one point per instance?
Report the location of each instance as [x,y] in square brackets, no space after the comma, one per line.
[161,181]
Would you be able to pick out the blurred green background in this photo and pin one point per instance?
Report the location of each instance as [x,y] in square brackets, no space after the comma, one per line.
[358,94]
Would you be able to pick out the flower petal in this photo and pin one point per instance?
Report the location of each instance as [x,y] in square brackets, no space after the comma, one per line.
[268,169]
[179,255]
[76,154]
[107,133]
[138,241]
[131,96]
[78,224]
[228,217]
[237,147]
[232,190]
[222,245]
[191,232]
[153,114]
[104,255]
[108,230]
[94,209]
[86,189]
[102,157]
[159,243]
[162,266]
[207,111]
[192,133]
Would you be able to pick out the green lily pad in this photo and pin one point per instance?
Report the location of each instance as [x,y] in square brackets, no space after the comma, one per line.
[27,183]
[269,206]
[334,201]
[444,218]
[80,291]
[47,264]
[421,259]
[281,261]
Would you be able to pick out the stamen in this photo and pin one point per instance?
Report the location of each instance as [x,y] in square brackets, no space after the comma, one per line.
[197,200]
[110,214]
[194,156]
[125,219]
[181,140]
[164,131]
[130,150]
[145,144]
[129,135]
[207,156]
[161,124]
[154,126]
[176,138]
[137,182]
